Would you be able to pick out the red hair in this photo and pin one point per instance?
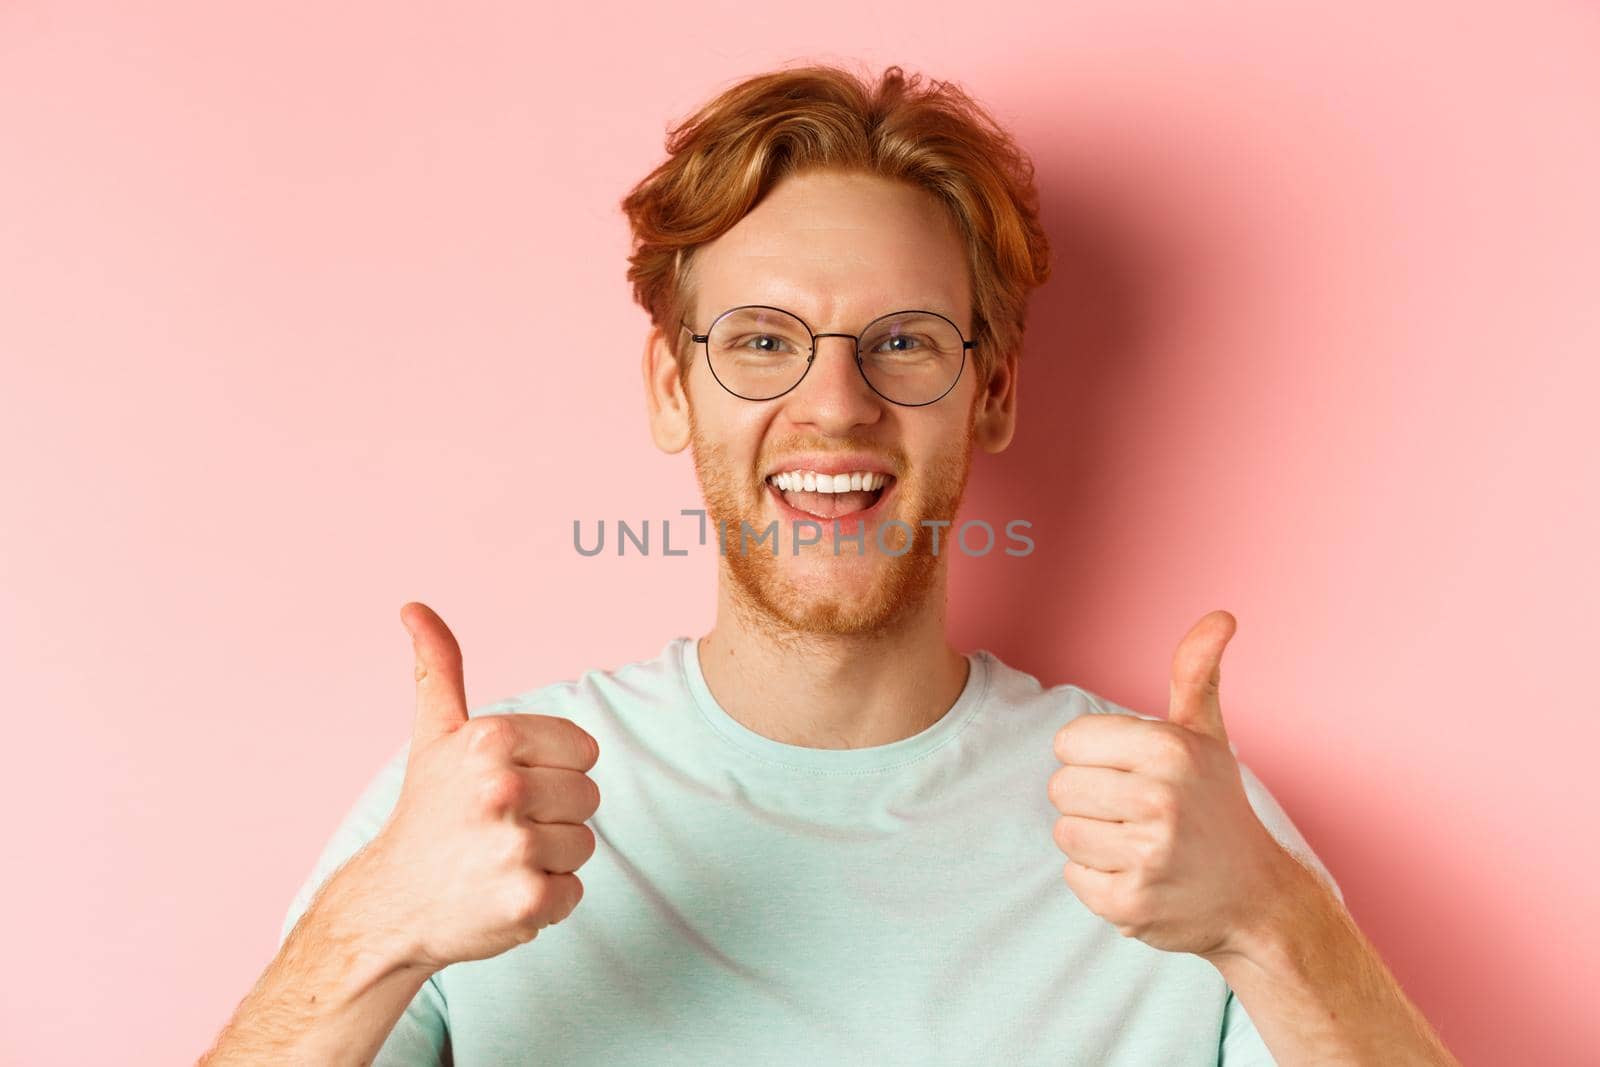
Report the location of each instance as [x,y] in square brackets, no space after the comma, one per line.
[723,159]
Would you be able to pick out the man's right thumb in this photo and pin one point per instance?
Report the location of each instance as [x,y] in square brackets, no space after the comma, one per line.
[441,688]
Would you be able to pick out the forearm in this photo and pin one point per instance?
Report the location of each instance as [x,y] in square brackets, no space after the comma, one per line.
[1316,988]
[331,996]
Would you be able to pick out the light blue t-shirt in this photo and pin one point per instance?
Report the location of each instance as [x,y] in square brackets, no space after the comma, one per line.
[754,902]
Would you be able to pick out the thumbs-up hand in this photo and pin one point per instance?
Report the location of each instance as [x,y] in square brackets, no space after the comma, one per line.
[1160,837]
[479,852]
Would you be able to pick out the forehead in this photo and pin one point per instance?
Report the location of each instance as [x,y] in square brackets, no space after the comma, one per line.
[836,247]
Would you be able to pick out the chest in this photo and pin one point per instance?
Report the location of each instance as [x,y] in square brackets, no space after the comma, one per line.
[919,937]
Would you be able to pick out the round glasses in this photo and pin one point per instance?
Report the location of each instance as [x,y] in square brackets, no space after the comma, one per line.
[908,357]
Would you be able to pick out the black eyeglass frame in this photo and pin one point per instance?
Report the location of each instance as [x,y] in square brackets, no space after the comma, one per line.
[704,340]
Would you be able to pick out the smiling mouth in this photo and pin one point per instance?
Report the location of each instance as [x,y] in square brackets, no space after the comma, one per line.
[830,496]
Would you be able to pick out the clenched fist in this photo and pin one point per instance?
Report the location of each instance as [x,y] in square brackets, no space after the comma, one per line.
[1160,837]
[479,852]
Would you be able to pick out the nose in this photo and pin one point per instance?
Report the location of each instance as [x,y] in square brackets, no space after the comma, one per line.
[833,396]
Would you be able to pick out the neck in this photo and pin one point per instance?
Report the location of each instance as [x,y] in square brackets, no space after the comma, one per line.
[831,690]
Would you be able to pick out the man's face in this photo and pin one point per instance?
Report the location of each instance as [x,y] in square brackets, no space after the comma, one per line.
[838,250]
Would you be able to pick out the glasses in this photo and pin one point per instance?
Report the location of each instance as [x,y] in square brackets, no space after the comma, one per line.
[910,358]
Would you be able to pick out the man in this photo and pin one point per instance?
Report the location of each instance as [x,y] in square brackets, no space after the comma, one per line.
[827,836]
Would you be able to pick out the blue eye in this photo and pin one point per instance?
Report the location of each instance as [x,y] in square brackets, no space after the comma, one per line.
[765,344]
[901,345]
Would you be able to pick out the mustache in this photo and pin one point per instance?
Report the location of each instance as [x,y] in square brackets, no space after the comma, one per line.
[893,458]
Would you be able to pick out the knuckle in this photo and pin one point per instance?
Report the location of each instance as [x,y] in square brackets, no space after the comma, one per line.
[1063,834]
[1154,852]
[1173,753]
[522,851]
[489,734]
[530,895]
[586,851]
[1161,802]
[1056,788]
[1064,739]
[1086,894]
[1124,915]
[574,895]
[566,890]
[503,790]
[585,742]
[1111,907]
[1095,899]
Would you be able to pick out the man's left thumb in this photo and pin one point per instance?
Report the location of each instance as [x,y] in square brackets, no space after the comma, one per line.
[1197,675]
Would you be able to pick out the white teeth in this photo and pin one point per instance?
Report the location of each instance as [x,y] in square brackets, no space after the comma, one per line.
[812,482]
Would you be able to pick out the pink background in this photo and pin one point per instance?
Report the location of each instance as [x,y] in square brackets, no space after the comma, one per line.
[307,310]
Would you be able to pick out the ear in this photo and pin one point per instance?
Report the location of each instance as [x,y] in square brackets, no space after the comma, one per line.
[664,395]
[995,414]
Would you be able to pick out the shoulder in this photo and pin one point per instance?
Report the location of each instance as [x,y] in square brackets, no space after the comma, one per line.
[1018,716]
[1019,695]
[600,688]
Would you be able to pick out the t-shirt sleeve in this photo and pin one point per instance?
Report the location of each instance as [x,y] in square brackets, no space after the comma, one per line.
[420,1037]
[1277,822]
[1241,1041]
[1241,1044]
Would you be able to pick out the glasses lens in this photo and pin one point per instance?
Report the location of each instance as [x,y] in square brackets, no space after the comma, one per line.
[912,357]
[758,353]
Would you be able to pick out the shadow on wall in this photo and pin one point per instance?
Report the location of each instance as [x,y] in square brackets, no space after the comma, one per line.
[1431,903]
[1088,348]
[1085,341]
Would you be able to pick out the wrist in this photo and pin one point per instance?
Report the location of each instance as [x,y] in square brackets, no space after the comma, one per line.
[333,992]
[1284,917]
[1315,987]
[359,914]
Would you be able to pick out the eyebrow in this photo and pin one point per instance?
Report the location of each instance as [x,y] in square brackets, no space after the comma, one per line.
[937,306]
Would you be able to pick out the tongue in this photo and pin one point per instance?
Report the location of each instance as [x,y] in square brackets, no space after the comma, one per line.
[831,505]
